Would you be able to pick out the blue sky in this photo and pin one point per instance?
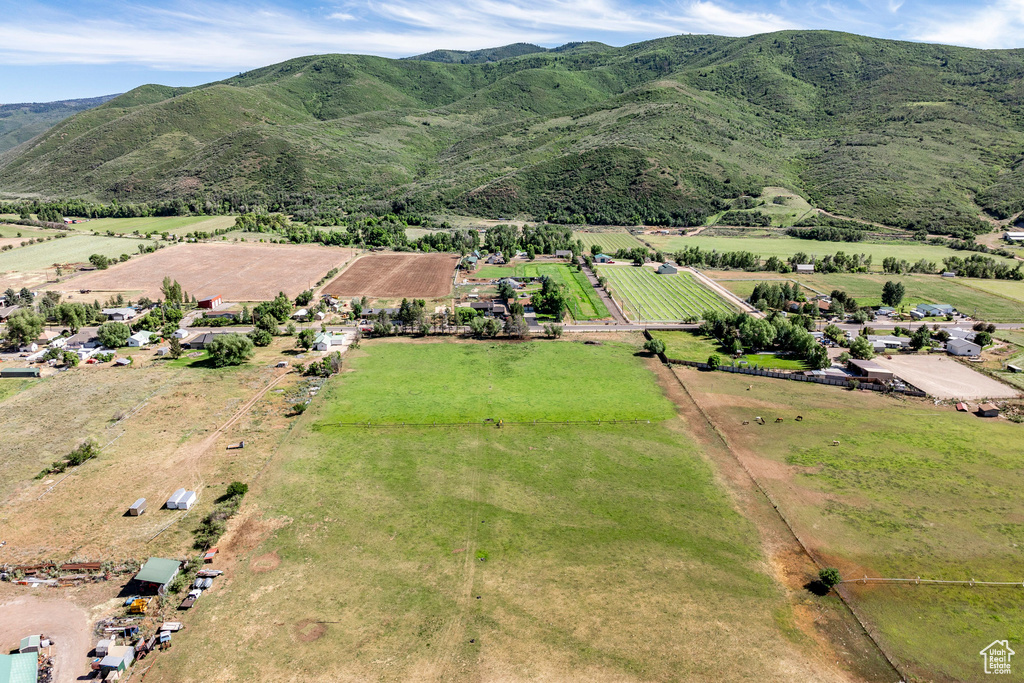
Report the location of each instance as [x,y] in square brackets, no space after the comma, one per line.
[53,49]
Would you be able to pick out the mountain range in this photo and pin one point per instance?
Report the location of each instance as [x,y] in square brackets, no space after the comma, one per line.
[906,134]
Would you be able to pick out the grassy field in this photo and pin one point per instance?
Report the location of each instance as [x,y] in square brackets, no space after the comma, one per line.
[75,249]
[968,296]
[645,295]
[585,303]
[476,553]
[784,247]
[684,345]
[610,241]
[1009,289]
[11,386]
[849,503]
[175,225]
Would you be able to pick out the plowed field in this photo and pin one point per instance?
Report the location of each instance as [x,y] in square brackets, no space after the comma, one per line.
[396,275]
[237,272]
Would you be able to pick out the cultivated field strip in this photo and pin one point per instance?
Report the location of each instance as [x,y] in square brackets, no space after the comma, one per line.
[610,242]
[645,295]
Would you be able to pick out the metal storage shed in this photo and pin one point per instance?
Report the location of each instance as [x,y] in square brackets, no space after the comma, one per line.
[30,644]
[187,501]
[172,502]
[157,573]
[137,508]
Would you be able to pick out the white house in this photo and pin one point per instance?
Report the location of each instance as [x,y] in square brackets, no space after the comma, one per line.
[140,338]
[962,347]
[119,314]
[325,340]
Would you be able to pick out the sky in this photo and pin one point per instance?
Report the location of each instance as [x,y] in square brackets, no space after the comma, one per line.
[55,49]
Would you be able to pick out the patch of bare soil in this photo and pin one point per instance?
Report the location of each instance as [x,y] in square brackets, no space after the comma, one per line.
[65,624]
[265,563]
[308,630]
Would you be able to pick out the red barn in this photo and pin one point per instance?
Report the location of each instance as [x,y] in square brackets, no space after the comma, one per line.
[210,302]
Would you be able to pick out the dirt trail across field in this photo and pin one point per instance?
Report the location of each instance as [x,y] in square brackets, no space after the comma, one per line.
[844,650]
[63,622]
[609,302]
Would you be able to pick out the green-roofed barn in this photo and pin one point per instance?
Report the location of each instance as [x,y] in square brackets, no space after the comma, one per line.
[157,573]
[19,668]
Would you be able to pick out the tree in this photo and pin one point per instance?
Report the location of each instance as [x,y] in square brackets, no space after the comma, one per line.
[861,349]
[357,306]
[113,334]
[829,577]
[100,261]
[172,291]
[261,337]
[74,316]
[304,298]
[237,488]
[289,330]
[982,339]
[175,348]
[515,326]
[553,331]
[757,333]
[24,327]
[654,346]
[595,249]
[818,358]
[506,290]
[230,349]
[306,338]
[892,293]
[714,361]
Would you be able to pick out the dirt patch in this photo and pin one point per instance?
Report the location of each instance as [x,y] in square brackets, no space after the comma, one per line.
[265,563]
[943,377]
[308,630]
[63,622]
[237,272]
[396,275]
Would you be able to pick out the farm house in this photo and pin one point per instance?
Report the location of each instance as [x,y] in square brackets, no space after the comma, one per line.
[119,314]
[140,338]
[157,573]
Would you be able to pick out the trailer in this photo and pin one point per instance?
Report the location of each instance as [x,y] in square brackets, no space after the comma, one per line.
[172,502]
[187,501]
[209,555]
[137,508]
[187,602]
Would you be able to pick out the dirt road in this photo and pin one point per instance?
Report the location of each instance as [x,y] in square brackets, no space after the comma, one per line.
[63,622]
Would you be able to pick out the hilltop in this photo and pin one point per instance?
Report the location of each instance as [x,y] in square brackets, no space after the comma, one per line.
[909,135]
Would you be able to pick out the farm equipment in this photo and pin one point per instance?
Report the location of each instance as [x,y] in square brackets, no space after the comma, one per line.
[139,606]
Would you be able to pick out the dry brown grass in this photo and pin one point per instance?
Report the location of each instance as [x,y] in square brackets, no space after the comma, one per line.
[396,275]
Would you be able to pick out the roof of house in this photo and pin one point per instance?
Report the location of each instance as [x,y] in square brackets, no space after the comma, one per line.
[985,407]
[959,343]
[19,668]
[119,311]
[158,570]
[7,310]
[142,335]
[300,313]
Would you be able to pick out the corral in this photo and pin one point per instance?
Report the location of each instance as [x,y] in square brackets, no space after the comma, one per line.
[396,275]
[943,377]
[645,295]
[237,272]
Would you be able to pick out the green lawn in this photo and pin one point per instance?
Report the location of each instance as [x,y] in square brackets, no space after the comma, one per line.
[851,504]
[645,295]
[683,345]
[176,225]
[10,386]
[560,552]
[968,296]
[75,249]
[585,304]
[784,247]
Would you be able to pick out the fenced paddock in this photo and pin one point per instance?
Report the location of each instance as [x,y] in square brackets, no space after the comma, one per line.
[645,295]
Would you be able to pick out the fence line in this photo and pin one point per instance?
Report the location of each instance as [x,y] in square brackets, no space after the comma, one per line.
[918,581]
[489,423]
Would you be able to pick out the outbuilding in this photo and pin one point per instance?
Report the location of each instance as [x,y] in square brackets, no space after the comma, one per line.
[602,258]
[30,644]
[563,253]
[180,334]
[667,269]
[19,372]
[871,370]
[988,410]
[962,347]
[187,501]
[137,508]
[157,573]
[805,267]
[210,302]
[103,647]
[172,502]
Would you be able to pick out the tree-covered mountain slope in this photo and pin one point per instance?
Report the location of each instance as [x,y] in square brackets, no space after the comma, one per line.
[906,134]
[21,122]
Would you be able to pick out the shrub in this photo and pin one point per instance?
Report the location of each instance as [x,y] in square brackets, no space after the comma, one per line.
[714,361]
[829,577]
[655,346]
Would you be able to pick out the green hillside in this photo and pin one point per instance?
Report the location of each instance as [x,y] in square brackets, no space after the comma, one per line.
[21,122]
[909,135]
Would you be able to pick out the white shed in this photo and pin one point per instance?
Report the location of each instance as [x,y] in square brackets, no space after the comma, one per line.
[180,334]
[172,502]
[962,347]
[187,501]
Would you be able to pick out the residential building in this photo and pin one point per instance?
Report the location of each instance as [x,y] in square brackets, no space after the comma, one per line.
[119,314]
[933,310]
[325,340]
[962,347]
[139,339]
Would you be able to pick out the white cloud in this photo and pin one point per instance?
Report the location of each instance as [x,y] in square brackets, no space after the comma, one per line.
[222,36]
[999,24]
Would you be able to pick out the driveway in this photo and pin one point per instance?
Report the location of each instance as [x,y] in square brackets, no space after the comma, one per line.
[63,622]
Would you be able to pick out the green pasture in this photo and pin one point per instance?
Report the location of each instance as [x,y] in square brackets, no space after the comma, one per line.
[175,225]
[923,492]
[784,247]
[602,552]
[74,249]
[9,386]
[645,295]
[585,304]
[610,241]
[972,297]
[683,345]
